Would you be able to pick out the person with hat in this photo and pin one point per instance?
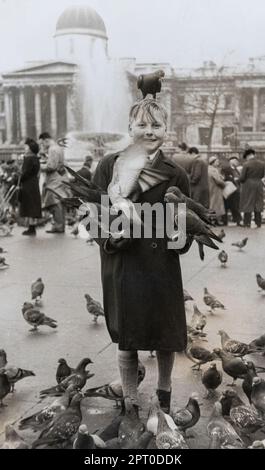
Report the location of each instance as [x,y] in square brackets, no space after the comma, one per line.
[231,173]
[216,186]
[29,192]
[251,197]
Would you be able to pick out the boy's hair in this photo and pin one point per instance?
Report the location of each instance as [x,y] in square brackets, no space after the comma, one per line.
[147,106]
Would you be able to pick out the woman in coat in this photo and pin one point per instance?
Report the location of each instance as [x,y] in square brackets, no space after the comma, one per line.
[251,197]
[29,193]
[216,186]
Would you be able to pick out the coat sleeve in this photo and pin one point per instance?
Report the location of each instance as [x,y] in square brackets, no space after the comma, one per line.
[30,169]
[243,175]
[196,171]
[218,180]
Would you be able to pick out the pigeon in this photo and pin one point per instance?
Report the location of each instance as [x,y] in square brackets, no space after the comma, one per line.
[212,301]
[211,379]
[35,318]
[61,430]
[39,420]
[195,226]
[150,83]
[78,379]
[12,439]
[246,418]
[207,215]
[75,231]
[223,257]
[187,296]
[198,320]
[197,354]
[187,417]
[240,244]
[37,289]
[3,358]
[14,374]
[237,348]
[63,370]
[260,281]
[94,308]
[258,394]
[257,445]
[6,230]
[152,420]
[5,387]
[247,382]
[221,234]
[84,440]
[227,434]
[233,366]
[258,343]
[3,264]
[132,432]
[113,390]
[168,438]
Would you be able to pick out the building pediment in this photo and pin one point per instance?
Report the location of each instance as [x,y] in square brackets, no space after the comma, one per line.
[40,69]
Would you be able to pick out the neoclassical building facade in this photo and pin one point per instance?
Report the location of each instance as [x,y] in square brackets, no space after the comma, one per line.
[218,106]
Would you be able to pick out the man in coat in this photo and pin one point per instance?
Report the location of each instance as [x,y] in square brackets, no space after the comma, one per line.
[142,283]
[251,197]
[55,174]
[199,185]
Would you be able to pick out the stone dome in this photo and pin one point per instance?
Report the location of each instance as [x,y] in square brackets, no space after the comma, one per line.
[81,20]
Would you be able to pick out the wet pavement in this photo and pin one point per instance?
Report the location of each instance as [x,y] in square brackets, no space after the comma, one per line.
[70,268]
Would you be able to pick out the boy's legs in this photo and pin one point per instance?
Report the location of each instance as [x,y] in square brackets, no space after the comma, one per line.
[128,366]
[165,361]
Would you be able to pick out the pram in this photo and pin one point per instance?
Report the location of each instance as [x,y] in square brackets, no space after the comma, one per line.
[5,215]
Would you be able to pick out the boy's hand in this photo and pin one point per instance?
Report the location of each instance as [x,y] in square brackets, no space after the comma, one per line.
[113,245]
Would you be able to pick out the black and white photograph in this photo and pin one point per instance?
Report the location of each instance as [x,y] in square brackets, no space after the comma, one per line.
[132,227]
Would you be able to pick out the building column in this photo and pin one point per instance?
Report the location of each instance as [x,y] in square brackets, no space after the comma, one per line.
[37,105]
[255,110]
[8,114]
[70,126]
[22,114]
[53,112]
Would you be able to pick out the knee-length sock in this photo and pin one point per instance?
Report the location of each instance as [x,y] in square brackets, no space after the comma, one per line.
[165,361]
[128,366]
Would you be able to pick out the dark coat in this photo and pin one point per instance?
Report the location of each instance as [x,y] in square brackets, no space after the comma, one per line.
[85,173]
[251,197]
[199,185]
[142,286]
[29,193]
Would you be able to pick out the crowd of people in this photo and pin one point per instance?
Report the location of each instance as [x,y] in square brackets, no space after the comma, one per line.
[226,185]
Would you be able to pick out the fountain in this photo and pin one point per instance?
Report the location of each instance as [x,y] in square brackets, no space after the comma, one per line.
[101,93]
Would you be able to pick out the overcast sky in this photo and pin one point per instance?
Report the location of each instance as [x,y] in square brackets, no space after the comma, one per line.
[182,32]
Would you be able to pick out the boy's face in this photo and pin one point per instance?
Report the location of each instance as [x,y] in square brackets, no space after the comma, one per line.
[148,132]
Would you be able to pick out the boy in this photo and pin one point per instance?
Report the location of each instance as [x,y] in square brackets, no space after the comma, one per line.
[141,278]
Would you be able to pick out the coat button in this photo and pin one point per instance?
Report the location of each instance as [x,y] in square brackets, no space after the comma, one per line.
[154,245]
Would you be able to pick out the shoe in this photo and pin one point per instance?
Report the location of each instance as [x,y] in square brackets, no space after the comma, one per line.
[31,231]
[164,398]
[54,230]
[239,224]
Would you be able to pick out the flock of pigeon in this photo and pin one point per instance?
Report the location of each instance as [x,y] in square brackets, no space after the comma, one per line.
[232,422]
